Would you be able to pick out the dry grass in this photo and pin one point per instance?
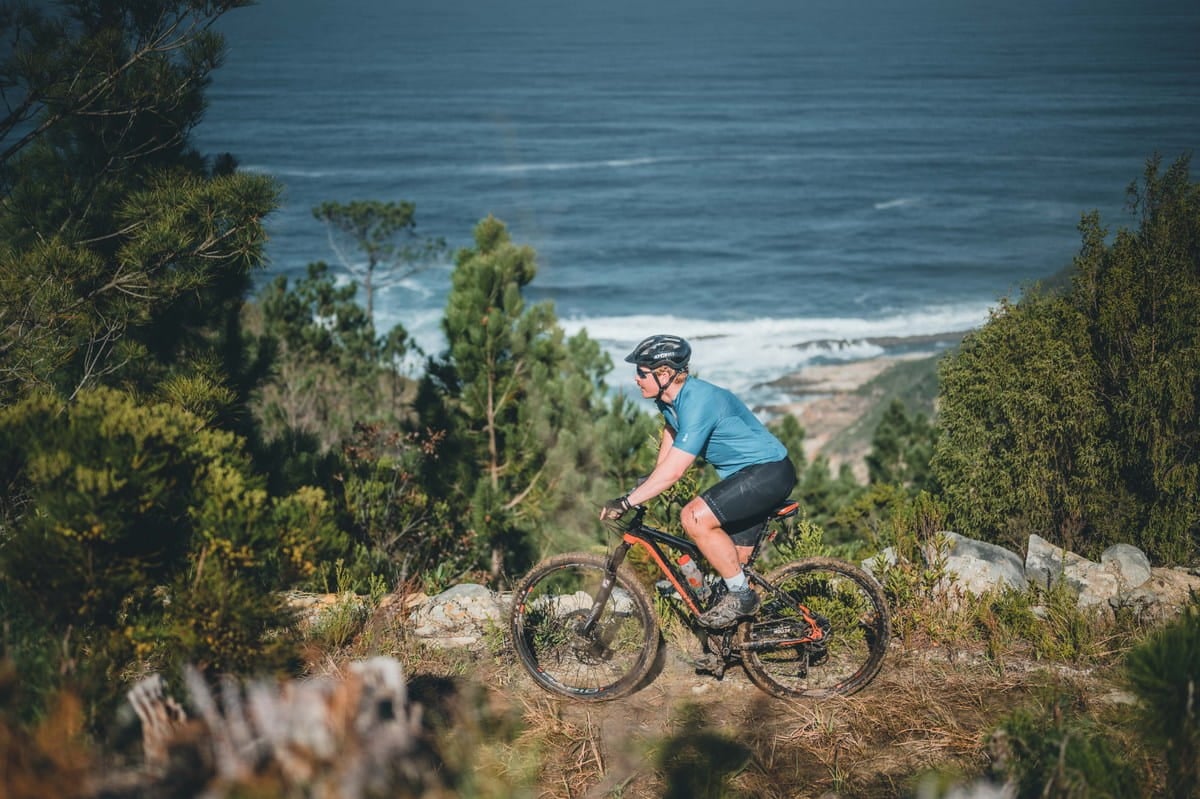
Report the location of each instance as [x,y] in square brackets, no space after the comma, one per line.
[930,713]
[931,710]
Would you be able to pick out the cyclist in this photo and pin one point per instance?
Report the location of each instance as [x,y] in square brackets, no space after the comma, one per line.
[706,421]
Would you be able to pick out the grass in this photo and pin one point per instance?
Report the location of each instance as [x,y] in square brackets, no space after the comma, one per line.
[993,683]
[1014,685]
[983,694]
[933,717]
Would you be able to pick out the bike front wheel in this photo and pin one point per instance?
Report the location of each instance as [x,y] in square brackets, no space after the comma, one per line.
[825,632]
[574,647]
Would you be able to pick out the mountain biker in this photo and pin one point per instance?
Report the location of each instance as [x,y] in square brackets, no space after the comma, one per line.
[706,421]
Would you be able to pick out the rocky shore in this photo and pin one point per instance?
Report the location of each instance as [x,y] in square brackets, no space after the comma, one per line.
[831,398]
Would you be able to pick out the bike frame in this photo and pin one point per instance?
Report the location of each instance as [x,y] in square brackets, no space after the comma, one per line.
[656,543]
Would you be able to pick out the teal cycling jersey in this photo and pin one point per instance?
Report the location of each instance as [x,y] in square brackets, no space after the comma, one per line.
[711,423]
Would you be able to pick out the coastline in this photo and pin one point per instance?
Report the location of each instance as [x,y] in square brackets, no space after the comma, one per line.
[829,399]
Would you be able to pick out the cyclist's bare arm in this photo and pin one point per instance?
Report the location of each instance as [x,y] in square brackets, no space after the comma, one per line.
[672,463]
[665,443]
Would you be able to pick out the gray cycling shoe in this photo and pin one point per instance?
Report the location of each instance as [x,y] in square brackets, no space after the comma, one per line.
[729,608]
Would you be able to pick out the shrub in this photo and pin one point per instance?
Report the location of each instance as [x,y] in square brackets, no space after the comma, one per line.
[1163,671]
[1054,751]
[144,539]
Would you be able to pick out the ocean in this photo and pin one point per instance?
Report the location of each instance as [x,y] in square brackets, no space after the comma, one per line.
[785,182]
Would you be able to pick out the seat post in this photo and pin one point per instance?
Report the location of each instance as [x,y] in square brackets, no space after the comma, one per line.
[785,510]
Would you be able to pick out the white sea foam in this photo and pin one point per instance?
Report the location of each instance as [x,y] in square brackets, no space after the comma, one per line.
[558,166]
[744,355]
[286,172]
[896,203]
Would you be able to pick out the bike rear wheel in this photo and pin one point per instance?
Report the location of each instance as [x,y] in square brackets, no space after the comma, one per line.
[548,627]
[778,649]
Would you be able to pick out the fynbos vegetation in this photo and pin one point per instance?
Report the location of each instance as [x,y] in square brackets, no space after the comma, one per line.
[179,455]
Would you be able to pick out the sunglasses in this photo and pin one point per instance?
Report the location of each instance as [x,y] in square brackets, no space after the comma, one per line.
[643,372]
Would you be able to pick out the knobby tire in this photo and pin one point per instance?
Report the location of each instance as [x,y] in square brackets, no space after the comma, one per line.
[548,608]
[775,652]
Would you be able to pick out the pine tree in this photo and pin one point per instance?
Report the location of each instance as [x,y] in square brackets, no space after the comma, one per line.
[385,232]
[126,256]
[1162,672]
[1023,447]
[139,536]
[901,449]
[1074,415]
[523,407]
[135,530]
[331,370]
[1141,296]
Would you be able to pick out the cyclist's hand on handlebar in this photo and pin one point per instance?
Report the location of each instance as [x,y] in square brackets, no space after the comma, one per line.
[614,508]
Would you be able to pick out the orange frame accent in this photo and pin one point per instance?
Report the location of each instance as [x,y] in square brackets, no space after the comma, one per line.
[687,597]
[665,569]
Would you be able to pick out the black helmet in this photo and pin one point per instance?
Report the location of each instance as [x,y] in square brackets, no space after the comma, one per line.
[661,350]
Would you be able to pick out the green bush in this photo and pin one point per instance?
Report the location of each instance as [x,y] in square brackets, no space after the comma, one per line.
[1073,414]
[1163,672]
[1054,751]
[144,539]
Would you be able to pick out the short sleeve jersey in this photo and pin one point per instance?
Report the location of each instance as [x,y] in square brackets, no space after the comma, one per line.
[711,423]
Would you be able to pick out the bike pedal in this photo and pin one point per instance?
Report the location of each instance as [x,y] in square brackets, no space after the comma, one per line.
[710,664]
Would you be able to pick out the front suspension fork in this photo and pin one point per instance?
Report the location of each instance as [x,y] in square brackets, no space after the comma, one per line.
[602,596]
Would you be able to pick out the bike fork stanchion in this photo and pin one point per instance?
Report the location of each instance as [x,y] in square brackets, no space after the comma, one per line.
[586,626]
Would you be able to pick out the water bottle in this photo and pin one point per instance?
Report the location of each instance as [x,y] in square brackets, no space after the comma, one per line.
[692,574]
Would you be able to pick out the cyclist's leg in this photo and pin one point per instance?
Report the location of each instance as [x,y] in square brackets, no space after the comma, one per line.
[736,504]
[742,502]
[740,600]
[703,527]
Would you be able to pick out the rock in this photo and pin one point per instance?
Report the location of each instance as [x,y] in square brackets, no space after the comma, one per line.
[1163,595]
[875,564]
[1122,568]
[1094,584]
[1044,562]
[311,607]
[974,567]
[1046,565]
[979,567]
[1122,579]
[459,616]
[1130,563]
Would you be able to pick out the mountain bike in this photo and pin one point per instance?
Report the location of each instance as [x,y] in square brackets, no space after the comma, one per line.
[584,626]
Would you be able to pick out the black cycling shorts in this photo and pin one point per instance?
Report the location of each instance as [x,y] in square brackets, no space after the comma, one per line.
[742,500]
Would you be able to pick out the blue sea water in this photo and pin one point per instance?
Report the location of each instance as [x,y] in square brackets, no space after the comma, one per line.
[763,176]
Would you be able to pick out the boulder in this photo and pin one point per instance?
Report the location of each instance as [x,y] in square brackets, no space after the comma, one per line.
[1164,594]
[459,616]
[978,567]
[973,567]
[1046,563]
[1121,569]
[1122,578]
[1130,564]
[875,564]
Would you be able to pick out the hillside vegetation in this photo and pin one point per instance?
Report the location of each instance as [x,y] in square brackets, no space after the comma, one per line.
[181,453]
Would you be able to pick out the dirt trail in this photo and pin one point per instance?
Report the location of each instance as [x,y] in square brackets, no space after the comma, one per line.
[685,734]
